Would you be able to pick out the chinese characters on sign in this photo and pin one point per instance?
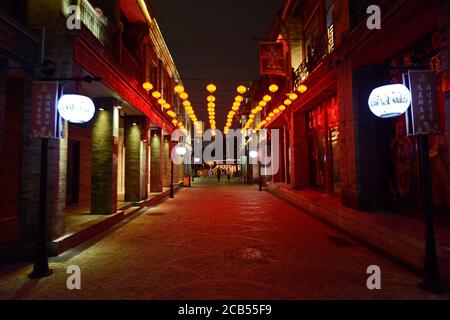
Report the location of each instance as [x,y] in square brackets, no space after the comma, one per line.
[272,59]
[423,116]
[44,115]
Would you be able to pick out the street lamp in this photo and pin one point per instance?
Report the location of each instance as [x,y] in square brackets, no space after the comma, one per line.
[392,101]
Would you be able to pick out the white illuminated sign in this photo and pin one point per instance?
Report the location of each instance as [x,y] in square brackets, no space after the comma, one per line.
[253,154]
[181,151]
[75,108]
[390,101]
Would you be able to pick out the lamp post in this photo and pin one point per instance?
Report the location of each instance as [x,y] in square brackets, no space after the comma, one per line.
[392,101]
[260,176]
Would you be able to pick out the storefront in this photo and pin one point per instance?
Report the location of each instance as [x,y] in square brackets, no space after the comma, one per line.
[399,150]
[323,146]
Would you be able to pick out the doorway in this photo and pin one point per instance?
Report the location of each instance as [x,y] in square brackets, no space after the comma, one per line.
[73,172]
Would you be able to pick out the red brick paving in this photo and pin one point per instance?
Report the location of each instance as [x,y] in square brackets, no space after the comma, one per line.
[218,242]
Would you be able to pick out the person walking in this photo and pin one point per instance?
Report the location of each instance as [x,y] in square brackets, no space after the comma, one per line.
[228,174]
[219,173]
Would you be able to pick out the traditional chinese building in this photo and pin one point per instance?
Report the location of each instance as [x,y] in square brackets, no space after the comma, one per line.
[103,166]
[331,143]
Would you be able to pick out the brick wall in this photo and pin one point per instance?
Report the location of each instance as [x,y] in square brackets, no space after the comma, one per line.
[133,159]
[104,164]
[165,161]
[156,172]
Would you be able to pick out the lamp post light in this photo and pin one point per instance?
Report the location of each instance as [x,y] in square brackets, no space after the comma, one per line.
[392,101]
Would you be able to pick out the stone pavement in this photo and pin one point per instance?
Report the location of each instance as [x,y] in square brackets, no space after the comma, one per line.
[212,241]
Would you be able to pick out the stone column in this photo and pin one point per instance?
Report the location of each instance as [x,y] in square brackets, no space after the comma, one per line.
[134,159]
[156,150]
[286,147]
[299,151]
[104,160]
[166,162]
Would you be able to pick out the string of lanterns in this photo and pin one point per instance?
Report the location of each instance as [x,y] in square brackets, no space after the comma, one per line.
[235,108]
[261,105]
[211,99]
[281,108]
[179,89]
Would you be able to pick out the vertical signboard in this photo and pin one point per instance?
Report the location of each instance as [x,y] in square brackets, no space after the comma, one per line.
[422,118]
[272,59]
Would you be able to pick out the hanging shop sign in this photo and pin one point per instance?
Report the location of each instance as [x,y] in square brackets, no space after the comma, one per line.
[423,116]
[76,108]
[44,118]
[272,59]
[390,100]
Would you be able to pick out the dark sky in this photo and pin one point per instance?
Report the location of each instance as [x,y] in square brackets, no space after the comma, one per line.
[215,41]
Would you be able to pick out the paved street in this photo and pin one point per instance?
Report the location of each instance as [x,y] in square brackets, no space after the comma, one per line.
[218,242]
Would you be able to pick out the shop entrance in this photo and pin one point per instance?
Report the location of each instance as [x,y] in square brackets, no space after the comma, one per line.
[73,172]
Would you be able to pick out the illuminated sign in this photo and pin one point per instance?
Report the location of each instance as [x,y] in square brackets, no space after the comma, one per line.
[75,108]
[181,151]
[253,154]
[390,101]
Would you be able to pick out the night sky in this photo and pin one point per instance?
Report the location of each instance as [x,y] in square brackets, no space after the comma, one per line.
[215,41]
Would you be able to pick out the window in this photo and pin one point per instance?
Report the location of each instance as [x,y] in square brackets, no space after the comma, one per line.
[329,18]
[323,146]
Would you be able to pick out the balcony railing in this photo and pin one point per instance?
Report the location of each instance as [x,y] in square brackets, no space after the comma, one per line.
[131,67]
[94,21]
[316,50]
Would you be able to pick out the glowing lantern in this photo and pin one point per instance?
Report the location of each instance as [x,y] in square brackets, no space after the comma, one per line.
[211,98]
[179,89]
[184,95]
[389,101]
[241,89]
[302,88]
[76,108]
[211,88]
[262,104]
[273,88]
[287,102]
[167,106]
[282,107]
[293,96]
[267,98]
[156,94]
[147,86]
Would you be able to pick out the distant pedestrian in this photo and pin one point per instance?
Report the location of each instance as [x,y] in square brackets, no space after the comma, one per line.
[219,173]
[228,174]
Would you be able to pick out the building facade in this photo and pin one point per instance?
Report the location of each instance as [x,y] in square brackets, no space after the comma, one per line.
[330,141]
[120,156]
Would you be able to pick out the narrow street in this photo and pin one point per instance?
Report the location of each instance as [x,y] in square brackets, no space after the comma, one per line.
[212,241]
